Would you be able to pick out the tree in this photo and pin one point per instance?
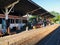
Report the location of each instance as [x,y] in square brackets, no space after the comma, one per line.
[57,16]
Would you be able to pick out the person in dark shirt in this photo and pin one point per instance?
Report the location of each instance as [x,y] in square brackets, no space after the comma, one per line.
[7,26]
[44,22]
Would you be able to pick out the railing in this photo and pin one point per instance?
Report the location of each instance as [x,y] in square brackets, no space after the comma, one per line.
[28,37]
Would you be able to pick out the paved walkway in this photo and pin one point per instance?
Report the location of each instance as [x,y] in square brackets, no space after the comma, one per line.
[31,37]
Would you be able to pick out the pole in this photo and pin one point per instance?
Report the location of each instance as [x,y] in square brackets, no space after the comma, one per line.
[7,23]
[27,21]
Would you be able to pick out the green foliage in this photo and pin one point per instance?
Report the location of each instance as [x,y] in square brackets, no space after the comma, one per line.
[57,16]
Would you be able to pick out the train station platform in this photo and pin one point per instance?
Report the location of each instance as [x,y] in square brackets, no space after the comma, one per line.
[30,37]
[52,39]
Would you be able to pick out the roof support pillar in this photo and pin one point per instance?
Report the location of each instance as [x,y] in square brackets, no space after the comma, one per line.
[21,20]
[37,18]
[27,17]
[6,12]
[27,21]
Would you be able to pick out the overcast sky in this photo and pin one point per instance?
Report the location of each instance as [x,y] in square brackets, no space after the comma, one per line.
[49,5]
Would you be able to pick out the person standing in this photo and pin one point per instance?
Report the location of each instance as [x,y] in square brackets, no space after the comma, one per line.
[44,22]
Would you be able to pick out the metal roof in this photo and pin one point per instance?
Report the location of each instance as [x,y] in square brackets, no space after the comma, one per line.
[4,3]
[23,7]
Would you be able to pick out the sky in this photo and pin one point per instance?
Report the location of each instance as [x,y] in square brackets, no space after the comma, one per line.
[49,5]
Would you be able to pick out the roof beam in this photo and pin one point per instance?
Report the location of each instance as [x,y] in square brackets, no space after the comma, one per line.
[33,10]
[43,13]
[12,4]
